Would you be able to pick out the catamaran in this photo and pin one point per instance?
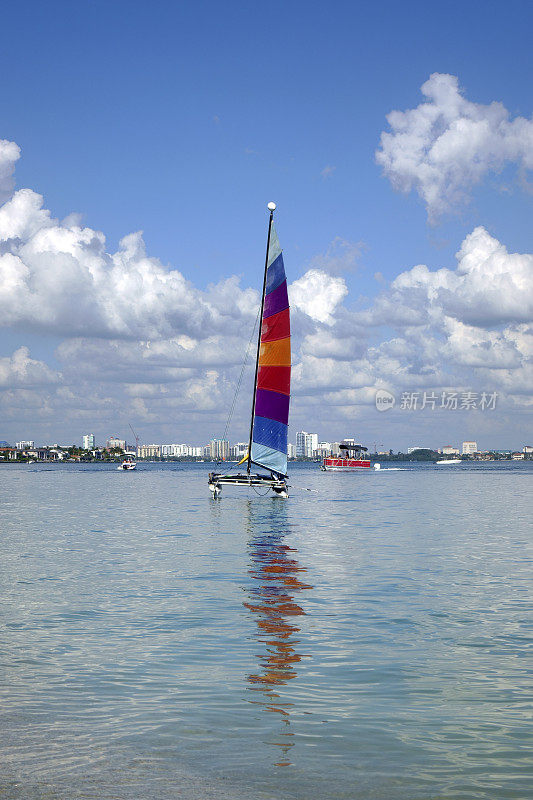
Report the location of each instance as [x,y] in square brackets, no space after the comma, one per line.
[267,445]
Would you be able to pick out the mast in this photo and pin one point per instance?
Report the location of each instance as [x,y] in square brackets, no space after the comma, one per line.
[271,208]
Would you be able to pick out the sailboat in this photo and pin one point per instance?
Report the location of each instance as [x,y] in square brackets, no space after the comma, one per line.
[267,445]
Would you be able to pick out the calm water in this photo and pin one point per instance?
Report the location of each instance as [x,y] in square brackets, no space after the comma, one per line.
[366,638]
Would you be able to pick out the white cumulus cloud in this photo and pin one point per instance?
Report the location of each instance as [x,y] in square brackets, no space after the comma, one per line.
[446,145]
[141,343]
[20,370]
[57,277]
[318,294]
[9,155]
[490,286]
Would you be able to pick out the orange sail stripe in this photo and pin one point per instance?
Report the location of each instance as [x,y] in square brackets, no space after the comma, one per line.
[276,353]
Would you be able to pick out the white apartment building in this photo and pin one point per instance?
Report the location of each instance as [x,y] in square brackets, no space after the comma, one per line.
[219,449]
[149,451]
[291,450]
[450,450]
[526,449]
[300,444]
[181,451]
[306,444]
[323,450]
[88,441]
[113,442]
[469,448]
[238,451]
[24,445]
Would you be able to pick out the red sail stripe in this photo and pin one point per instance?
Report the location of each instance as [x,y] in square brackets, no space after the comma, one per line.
[278,326]
[275,379]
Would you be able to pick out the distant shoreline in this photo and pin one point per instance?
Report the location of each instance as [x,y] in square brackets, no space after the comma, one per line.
[310,462]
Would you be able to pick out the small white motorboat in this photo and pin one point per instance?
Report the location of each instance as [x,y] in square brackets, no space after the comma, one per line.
[129,462]
[445,461]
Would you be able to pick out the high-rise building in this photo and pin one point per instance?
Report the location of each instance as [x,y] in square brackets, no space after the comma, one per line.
[238,451]
[300,444]
[311,444]
[291,450]
[88,441]
[469,448]
[113,443]
[306,444]
[219,449]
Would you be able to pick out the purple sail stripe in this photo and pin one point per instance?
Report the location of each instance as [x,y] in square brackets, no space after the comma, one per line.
[276,301]
[272,405]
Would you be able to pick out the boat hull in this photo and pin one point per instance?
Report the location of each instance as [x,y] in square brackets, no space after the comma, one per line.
[345,464]
[216,481]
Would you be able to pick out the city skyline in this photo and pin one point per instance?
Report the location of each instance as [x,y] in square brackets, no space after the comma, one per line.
[131,254]
[307,445]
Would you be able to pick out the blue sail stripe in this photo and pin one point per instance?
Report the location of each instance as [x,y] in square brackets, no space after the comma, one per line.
[269,458]
[270,432]
[275,274]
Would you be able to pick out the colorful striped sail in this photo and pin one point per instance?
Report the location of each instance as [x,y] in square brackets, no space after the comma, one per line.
[270,426]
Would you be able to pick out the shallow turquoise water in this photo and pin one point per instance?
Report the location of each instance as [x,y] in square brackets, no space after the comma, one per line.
[366,638]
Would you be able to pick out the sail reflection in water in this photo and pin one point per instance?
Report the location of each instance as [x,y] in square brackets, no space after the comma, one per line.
[276,575]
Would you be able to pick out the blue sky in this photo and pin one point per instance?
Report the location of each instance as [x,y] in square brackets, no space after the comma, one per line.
[183,120]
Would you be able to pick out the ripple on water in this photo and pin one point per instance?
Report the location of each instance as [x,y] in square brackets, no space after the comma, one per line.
[366,639]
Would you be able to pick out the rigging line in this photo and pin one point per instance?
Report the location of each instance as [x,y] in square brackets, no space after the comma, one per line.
[261,494]
[243,367]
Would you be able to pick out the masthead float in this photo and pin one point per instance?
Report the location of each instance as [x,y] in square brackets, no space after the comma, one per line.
[267,444]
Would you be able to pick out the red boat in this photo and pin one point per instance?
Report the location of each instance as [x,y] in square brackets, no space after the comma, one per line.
[352,457]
